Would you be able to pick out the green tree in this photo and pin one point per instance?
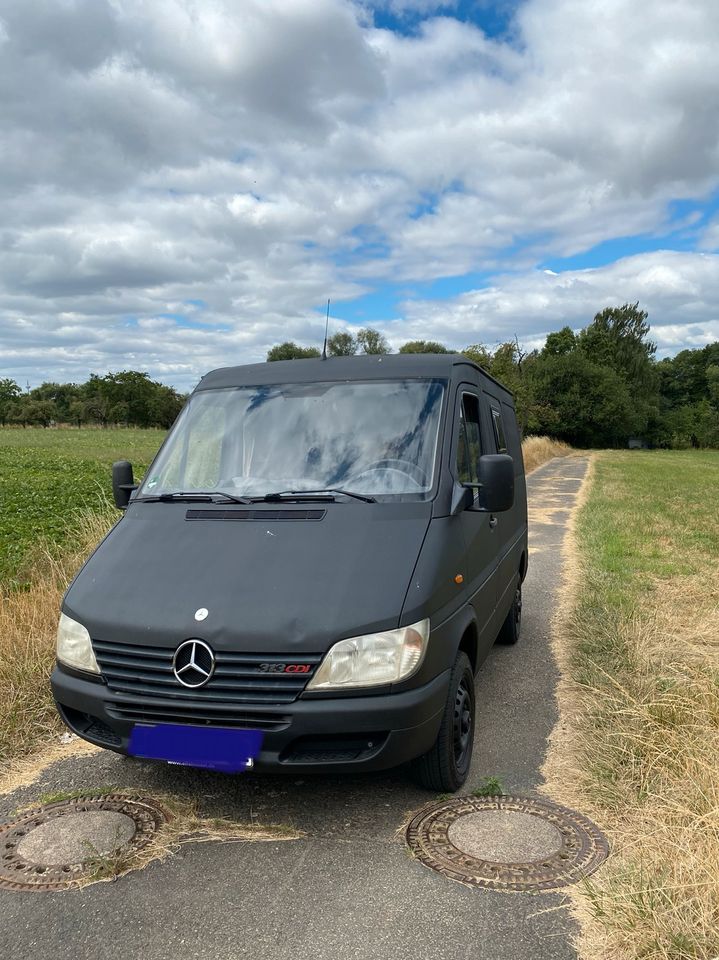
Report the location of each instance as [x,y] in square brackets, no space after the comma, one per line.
[78,413]
[61,395]
[423,346]
[686,381]
[341,344]
[9,392]
[289,350]
[372,341]
[690,425]
[478,354]
[617,338]
[512,366]
[98,399]
[164,406]
[684,378]
[130,392]
[560,342]
[18,410]
[712,375]
[583,402]
[40,412]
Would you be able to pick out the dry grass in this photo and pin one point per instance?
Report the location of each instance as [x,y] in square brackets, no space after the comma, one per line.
[537,450]
[637,746]
[28,622]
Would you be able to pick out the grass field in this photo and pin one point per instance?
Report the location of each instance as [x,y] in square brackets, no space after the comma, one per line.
[639,646]
[47,476]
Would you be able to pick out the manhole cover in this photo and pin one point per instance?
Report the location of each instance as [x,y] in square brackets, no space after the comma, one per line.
[507,843]
[53,847]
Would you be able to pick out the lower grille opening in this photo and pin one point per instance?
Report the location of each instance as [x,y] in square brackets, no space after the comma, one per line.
[179,713]
[85,725]
[334,749]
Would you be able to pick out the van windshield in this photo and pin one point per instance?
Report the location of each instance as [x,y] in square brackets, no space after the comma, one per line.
[376,437]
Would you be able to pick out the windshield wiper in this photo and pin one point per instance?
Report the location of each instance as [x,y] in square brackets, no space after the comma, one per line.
[312,495]
[206,496]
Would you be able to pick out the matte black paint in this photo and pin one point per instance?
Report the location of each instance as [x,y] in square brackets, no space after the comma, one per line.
[289,587]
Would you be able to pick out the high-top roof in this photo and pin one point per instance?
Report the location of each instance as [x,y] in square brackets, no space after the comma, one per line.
[362,367]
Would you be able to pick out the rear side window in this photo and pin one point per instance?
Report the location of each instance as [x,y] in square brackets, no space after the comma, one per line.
[499,431]
[469,447]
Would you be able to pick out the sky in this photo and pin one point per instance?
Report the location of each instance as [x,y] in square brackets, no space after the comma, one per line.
[185,183]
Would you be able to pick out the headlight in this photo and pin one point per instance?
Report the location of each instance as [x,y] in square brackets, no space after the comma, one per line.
[74,647]
[373,659]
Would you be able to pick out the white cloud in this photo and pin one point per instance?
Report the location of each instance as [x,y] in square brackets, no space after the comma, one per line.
[262,156]
[709,239]
[680,291]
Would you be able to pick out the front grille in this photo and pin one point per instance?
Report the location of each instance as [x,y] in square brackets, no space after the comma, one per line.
[135,673]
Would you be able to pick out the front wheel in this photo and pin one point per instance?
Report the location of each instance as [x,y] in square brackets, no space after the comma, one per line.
[445,766]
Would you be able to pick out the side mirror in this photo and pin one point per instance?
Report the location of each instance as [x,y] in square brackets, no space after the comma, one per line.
[496,482]
[123,483]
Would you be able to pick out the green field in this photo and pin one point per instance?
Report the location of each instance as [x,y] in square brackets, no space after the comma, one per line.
[48,476]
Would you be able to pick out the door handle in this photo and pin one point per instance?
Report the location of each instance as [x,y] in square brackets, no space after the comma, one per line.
[492,522]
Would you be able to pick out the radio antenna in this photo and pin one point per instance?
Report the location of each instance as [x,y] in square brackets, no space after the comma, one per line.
[327,325]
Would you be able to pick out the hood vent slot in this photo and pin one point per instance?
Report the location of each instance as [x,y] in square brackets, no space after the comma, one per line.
[261,514]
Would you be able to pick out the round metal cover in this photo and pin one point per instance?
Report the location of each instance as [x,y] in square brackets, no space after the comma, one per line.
[507,843]
[55,846]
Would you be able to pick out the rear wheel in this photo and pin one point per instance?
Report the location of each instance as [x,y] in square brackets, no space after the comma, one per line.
[509,633]
[445,766]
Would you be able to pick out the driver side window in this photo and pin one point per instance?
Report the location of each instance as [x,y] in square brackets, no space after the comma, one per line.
[469,447]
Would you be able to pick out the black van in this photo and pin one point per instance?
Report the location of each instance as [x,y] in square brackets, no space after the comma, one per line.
[312,570]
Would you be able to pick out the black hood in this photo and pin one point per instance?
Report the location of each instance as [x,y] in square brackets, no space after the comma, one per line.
[269,585]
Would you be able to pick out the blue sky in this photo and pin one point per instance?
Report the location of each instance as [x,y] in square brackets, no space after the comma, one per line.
[185,184]
[495,19]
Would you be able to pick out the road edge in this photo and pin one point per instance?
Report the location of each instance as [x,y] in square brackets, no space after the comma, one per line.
[557,767]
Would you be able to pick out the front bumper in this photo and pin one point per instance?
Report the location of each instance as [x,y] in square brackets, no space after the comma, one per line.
[345,734]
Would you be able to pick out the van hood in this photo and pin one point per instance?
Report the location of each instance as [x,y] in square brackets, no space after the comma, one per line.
[269,585]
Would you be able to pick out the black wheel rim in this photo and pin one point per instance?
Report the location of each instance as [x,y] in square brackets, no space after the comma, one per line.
[463,723]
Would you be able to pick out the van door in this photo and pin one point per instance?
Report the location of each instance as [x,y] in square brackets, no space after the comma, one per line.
[480,543]
[508,526]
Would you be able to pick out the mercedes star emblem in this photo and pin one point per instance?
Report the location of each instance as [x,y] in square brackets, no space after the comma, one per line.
[193,663]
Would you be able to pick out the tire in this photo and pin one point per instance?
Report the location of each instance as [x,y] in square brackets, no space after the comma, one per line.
[510,630]
[445,766]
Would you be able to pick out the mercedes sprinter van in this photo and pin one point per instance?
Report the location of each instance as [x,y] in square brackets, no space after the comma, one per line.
[309,575]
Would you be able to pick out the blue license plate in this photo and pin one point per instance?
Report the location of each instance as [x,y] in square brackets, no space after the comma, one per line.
[215,748]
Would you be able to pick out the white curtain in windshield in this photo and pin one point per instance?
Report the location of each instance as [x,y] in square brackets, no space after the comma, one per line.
[376,437]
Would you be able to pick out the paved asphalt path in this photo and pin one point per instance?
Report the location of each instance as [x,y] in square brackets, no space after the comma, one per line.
[348,889]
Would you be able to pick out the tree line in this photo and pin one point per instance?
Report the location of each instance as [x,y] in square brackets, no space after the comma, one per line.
[601,387]
[129,398]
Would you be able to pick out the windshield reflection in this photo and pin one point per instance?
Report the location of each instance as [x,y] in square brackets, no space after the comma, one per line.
[377,438]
